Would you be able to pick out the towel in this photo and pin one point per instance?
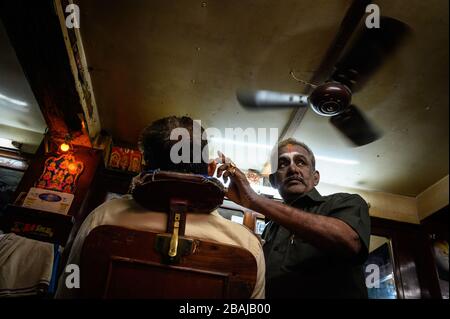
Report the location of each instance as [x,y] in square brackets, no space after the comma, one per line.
[25,266]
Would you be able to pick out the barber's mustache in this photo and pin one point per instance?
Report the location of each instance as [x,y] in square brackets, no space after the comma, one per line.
[294,178]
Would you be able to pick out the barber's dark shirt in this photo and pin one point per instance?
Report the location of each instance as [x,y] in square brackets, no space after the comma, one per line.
[297,269]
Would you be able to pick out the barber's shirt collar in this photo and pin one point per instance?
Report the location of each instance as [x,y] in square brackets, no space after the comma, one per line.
[312,195]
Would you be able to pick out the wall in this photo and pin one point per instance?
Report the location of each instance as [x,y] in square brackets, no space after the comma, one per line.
[377,241]
[400,208]
[383,205]
[433,199]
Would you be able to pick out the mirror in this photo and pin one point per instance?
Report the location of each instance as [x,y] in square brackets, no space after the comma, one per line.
[379,269]
[440,251]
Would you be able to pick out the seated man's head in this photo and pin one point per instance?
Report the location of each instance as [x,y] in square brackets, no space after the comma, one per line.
[295,173]
[157,144]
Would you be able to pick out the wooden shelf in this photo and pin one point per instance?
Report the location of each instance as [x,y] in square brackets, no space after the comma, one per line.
[119,172]
[37,224]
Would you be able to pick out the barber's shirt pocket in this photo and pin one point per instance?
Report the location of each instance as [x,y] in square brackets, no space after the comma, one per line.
[301,255]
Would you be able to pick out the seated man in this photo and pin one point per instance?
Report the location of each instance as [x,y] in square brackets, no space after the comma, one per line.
[156,145]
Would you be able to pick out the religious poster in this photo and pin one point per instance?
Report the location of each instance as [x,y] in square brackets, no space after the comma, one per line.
[124,162]
[125,159]
[114,158]
[135,161]
[61,173]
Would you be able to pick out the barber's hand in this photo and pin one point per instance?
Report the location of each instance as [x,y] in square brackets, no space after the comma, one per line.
[239,189]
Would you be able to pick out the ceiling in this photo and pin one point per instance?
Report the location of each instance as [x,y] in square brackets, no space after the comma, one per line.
[150,59]
[21,119]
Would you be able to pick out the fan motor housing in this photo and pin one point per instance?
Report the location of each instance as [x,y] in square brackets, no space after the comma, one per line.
[330,98]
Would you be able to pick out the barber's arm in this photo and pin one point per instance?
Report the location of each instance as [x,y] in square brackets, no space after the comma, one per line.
[326,233]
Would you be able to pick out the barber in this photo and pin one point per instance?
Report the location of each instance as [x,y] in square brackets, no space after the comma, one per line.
[315,245]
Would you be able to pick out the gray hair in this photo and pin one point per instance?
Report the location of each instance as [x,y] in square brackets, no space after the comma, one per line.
[290,141]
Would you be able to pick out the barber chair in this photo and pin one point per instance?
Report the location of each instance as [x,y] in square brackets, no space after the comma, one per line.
[117,262]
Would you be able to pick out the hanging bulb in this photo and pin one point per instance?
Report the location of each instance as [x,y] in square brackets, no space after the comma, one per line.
[64,147]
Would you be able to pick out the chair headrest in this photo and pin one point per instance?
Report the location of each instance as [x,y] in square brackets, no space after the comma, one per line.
[155,189]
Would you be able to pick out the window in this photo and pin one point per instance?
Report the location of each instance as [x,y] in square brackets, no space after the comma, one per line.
[260,225]
[12,168]
[236,216]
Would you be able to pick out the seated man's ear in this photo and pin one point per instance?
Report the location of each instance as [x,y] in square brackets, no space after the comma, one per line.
[316,177]
[211,167]
[273,180]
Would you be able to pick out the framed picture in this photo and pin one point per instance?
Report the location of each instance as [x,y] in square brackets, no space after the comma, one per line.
[125,159]
[61,173]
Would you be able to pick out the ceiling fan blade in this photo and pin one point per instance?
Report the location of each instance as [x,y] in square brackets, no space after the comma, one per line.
[260,99]
[355,126]
[369,51]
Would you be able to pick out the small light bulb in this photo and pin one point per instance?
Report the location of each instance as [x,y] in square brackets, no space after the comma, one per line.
[64,147]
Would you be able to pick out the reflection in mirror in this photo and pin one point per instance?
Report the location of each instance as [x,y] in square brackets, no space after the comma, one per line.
[9,179]
[440,250]
[379,269]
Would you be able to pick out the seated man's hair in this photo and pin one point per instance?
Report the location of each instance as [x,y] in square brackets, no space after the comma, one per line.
[156,144]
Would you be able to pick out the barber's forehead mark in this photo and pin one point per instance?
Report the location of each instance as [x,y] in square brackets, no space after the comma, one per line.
[289,155]
[289,147]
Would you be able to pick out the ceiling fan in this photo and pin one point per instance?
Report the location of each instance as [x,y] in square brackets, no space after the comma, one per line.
[333,97]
